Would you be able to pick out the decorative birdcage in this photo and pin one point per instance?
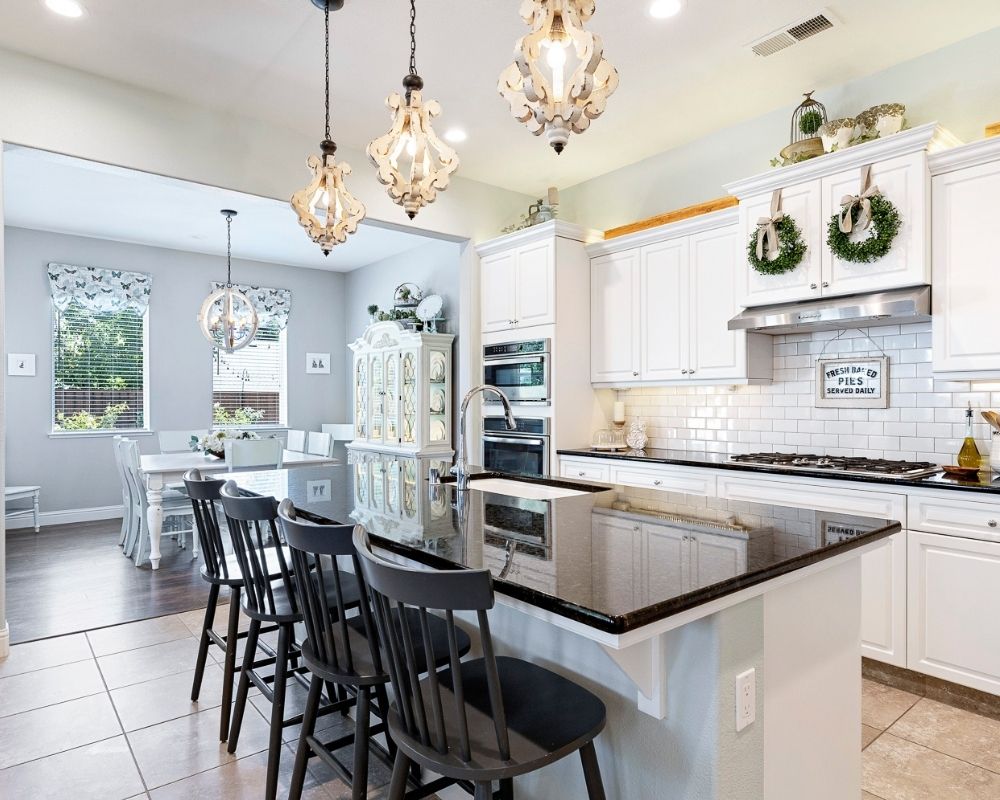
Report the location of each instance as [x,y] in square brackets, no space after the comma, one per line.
[807,118]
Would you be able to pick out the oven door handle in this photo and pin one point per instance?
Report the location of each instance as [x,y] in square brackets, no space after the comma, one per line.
[502,362]
[514,440]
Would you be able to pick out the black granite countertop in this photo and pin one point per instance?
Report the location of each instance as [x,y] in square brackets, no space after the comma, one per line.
[609,560]
[985,483]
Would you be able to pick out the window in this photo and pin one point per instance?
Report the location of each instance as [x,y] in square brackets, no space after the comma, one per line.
[99,349]
[248,386]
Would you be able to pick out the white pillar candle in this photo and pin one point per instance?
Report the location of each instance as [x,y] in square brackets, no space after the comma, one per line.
[619,412]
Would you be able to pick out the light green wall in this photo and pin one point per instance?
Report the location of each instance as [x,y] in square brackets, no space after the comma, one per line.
[959,86]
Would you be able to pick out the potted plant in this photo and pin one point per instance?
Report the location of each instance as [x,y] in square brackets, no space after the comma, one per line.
[373,312]
[810,122]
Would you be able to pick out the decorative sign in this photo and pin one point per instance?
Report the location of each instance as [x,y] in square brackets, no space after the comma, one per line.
[319,490]
[22,364]
[852,382]
[317,363]
[836,529]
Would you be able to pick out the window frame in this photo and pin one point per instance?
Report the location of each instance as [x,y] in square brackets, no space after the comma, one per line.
[58,433]
[282,422]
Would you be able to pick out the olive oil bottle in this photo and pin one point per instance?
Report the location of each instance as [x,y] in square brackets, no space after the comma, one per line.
[969,455]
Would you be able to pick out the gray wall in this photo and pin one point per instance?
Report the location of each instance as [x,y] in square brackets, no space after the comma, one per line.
[434,267]
[180,360]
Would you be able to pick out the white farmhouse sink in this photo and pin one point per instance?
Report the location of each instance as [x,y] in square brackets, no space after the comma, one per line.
[529,491]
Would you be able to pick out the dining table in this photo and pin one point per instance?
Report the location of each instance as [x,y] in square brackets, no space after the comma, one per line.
[159,470]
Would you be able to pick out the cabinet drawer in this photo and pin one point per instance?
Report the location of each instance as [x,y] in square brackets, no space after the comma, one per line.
[955,516]
[587,470]
[848,500]
[674,479]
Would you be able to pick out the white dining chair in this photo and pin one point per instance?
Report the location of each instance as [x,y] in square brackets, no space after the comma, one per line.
[340,431]
[177,441]
[296,441]
[116,447]
[320,444]
[254,453]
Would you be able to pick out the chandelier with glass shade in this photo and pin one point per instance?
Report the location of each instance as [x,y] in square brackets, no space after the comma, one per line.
[227,317]
[412,162]
[559,80]
[325,208]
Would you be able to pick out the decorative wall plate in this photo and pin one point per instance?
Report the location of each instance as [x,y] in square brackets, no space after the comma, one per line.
[430,307]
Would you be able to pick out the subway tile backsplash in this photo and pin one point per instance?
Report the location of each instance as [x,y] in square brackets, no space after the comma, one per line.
[925,420]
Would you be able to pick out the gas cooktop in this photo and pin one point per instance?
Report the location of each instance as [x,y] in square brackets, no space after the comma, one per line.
[845,465]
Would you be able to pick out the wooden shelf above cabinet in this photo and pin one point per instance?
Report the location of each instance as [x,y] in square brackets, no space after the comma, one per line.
[687,212]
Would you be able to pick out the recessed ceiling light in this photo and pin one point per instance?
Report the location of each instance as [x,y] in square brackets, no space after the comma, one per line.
[455,135]
[664,9]
[65,8]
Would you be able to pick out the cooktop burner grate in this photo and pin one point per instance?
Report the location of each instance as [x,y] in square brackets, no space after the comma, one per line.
[842,464]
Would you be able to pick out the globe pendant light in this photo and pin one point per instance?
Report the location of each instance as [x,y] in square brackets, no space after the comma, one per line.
[412,162]
[227,317]
[325,208]
[559,80]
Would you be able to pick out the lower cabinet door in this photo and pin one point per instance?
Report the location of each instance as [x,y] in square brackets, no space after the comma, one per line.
[716,558]
[954,609]
[883,601]
[616,544]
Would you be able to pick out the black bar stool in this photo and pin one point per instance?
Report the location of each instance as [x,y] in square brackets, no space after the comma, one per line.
[219,570]
[252,523]
[339,649]
[484,720]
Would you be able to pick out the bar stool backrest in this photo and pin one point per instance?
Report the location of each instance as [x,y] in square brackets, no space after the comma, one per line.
[252,523]
[205,497]
[393,590]
[316,551]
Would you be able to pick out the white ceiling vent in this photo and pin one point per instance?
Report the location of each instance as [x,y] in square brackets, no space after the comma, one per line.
[792,34]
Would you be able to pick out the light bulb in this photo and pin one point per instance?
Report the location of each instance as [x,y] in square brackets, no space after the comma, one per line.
[556,59]
[664,9]
[411,146]
[65,8]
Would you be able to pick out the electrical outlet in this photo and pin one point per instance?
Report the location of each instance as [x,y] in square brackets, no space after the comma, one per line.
[746,699]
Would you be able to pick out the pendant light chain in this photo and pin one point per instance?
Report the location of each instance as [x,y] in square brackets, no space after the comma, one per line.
[229,251]
[413,37]
[327,20]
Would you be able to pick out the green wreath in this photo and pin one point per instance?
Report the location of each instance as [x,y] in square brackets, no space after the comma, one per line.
[791,249]
[885,225]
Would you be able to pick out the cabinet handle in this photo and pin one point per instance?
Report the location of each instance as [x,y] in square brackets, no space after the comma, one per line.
[635,374]
[826,284]
[812,286]
[657,483]
[992,523]
[684,372]
[581,474]
[690,372]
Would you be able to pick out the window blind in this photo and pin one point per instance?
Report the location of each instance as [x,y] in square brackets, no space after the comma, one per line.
[248,386]
[98,369]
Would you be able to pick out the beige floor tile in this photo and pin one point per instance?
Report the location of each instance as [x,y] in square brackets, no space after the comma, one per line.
[868,735]
[183,747]
[895,769]
[869,796]
[950,730]
[45,653]
[270,638]
[101,771]
[143,704]
[148,663]
[45,687]
[194,619]
[53,729]
[882,705]
[331,725]
[243,780]
[134,635]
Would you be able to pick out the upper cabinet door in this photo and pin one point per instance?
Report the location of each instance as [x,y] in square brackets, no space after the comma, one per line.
[664,321]
[535,285]
[716,351]
[498,279]
[966,242]
[905,182]
[802,203]
[614,317]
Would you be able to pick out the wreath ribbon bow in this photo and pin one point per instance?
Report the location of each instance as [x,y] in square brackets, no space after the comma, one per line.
[864,199]
[767,233]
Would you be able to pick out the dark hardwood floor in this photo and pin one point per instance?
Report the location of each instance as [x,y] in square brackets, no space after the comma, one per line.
[69,578]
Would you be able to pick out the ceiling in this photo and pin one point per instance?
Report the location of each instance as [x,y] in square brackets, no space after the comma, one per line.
[107,202]
[680,78]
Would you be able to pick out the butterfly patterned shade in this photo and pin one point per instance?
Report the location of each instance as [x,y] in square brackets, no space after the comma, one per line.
[100,291]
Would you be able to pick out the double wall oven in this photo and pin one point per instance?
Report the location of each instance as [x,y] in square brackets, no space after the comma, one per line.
[524,451]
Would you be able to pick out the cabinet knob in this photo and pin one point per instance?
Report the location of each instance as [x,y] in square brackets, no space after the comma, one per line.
[581,474]
[812,286]
[826,284]
[684,372]
[690,372]
[657,483]
[992,523]
[635,374]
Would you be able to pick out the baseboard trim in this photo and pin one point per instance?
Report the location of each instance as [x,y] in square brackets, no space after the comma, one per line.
[66,517]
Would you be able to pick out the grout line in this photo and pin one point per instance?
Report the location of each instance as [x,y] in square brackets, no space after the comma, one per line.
[941,752]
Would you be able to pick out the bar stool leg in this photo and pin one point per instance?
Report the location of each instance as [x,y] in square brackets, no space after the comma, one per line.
[308,726]
[506,789]
[277,711]
[244,687]
[229,665]
[359,786]
[203,645]
[400,768]
[592,772]
[484,791]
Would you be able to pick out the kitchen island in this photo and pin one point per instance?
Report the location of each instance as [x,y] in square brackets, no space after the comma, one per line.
[657,601]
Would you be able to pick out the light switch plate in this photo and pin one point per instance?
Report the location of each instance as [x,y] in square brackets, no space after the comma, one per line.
[746,699]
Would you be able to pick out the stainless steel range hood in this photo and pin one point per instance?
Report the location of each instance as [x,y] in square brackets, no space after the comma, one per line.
[894,307]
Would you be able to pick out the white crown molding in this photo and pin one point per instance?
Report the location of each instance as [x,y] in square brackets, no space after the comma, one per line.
[661,233]
[930,137]
[66,517]
[556,228]
[984,151]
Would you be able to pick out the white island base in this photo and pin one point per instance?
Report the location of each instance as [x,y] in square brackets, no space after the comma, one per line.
[800,632]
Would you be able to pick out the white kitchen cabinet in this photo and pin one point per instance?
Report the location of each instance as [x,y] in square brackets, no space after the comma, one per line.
[811,195]
[518,287]
[667,560]
[661,301]
[953,607]
[716,558]
[614,325]
[883,601]
[586,469]
[616,545]
[966,240]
